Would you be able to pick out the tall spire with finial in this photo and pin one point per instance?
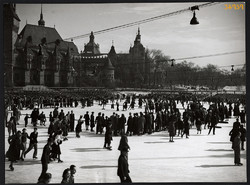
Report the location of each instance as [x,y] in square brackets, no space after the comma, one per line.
[138,36]
[41,22]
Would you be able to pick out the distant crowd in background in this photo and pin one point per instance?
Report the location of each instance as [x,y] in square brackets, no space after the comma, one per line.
[156,112]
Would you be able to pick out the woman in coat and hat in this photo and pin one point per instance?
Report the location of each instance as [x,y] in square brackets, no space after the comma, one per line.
[13,154]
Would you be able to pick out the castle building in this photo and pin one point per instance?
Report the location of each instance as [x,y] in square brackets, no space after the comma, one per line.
[39,56]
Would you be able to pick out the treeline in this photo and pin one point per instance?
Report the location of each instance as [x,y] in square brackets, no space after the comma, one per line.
[166,73]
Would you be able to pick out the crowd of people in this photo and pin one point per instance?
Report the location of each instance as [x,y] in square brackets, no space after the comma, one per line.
[160,114]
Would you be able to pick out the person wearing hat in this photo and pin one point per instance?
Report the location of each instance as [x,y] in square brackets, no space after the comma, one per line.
[123,167]
[13,152]
[24,137]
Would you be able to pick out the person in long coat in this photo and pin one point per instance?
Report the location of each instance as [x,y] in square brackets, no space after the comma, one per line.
[198,125]
[236,148]
[79,127]
[13,153]
[92,122]
[130,125]
[243,136]
[123,143]
[135,124]
[45,158]
[56,149]
[123,167]
[72,121]
[108,135]
[86,118]
[10,125]
[141,123]
[122,122]
[171,128]
[214,121]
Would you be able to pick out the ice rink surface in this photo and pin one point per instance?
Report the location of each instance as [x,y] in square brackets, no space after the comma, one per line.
[152,158]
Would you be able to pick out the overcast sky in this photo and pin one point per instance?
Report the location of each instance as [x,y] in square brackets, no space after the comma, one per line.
[219,30]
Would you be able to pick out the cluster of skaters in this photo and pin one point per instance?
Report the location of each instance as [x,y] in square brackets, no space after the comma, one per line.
[160,114]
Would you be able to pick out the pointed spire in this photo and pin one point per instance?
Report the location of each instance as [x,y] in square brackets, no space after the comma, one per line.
[91,37]
[41,22]
[112,50]
[138,36]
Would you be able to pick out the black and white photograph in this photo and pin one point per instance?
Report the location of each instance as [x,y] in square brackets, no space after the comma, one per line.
[145,92]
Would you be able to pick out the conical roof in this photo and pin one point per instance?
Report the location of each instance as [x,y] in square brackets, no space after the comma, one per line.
[108,64]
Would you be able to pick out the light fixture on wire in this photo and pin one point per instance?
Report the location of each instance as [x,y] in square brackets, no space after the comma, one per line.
[172,64]
[194,20]
[232,67]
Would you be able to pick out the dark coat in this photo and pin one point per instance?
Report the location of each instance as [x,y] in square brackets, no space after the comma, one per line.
[123,143]
[13,153]
[123,169]
[45,154]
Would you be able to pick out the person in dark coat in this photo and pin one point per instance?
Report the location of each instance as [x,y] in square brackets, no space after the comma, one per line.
[243,136]
[45,158]
[236,148]
[33,143]
[55,113]
[122,122]
[26,118]
[141,124]
[65,128]
[51,129]
[72,121]
[123,167]
[56,149]
[198,125]
[179,126]
[86,118]
[233,133]
[13,153]
[46,179]
[34,116]
[24,137]
[186,125]
[79,127]
[123,143]
[242,117]
[130,125]
[51,118]
[171,128]
[108,135]
[72,173]
[214,121]
[61,115]
[99,120]
[135,124]
[92,122]
[66,176]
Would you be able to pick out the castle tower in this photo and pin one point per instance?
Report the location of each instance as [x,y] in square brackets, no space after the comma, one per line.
[91,48]
[137,59]
[11,27]
[108,73]
[41,22]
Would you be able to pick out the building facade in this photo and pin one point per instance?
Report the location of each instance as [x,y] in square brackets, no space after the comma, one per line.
[39,56]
